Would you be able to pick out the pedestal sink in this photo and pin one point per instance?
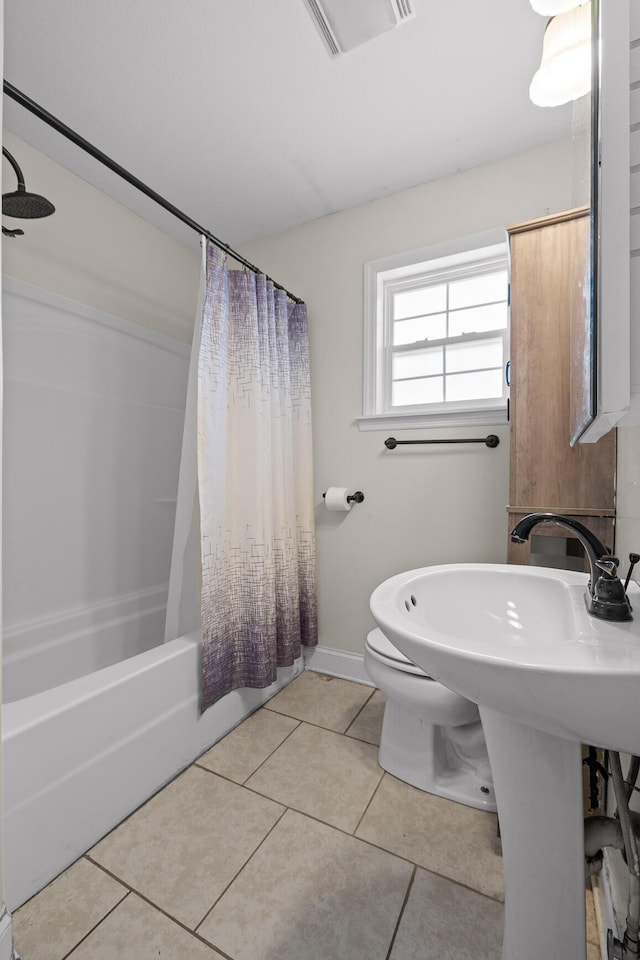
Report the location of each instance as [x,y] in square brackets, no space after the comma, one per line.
[547,677]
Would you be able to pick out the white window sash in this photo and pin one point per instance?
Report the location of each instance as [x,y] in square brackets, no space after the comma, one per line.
[403,272]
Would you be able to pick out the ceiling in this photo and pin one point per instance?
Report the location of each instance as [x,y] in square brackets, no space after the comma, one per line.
[234,111]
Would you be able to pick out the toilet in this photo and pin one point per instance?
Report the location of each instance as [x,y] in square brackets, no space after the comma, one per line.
[431,737]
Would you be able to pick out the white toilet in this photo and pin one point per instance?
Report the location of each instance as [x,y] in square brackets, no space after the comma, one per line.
[431,737]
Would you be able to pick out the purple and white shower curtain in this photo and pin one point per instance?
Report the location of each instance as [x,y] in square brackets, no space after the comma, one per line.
[254,481]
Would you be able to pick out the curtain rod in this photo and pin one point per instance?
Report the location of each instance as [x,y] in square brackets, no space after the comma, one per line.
[97,154]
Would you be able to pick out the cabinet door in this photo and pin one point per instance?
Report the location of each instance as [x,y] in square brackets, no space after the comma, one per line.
[547,269]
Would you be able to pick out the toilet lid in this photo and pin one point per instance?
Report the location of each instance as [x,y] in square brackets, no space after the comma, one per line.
[381,644]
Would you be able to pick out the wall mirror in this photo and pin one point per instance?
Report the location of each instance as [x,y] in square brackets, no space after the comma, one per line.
[583,320]
[600,325]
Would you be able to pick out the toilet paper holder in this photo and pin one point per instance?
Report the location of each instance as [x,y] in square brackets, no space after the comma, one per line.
[356,497]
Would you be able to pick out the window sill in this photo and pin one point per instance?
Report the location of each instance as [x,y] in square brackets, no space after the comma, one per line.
[410,421]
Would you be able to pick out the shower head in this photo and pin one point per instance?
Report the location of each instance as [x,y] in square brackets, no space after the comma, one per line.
[29,206]
[20,203]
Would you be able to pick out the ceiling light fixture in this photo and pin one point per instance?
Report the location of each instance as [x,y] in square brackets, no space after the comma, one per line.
[565,70]
[551,8]
[345,24]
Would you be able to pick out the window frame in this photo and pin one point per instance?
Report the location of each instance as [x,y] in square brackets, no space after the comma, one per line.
[486,251]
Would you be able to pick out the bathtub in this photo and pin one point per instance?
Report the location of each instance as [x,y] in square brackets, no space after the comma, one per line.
[81,756]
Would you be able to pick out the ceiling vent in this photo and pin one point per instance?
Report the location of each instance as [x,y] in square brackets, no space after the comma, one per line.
[345,24]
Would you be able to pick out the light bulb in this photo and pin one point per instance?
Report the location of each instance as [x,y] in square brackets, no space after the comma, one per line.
[565,69]
[551,8]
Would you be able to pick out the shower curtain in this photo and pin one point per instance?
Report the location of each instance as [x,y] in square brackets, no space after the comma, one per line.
[251,509]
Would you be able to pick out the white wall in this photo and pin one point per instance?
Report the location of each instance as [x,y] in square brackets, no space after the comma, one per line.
[423,505]
[97,252]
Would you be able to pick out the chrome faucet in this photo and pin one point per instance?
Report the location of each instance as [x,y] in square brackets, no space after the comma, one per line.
[606,597]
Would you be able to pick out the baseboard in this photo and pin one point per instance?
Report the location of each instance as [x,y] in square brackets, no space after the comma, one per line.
[337,663]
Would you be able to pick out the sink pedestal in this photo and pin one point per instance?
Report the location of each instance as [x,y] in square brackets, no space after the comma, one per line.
[538,786]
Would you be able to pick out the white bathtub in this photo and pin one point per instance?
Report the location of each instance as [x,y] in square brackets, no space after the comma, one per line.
[80,757]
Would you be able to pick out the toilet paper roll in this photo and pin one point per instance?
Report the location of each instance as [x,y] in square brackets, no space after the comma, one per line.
[336,499]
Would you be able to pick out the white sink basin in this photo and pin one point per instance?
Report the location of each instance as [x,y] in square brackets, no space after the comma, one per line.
[520,640]
[547,677]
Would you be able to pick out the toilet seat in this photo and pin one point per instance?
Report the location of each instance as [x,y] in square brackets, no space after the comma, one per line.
[381,648]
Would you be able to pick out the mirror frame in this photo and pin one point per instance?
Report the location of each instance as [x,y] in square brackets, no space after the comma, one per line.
[609,320]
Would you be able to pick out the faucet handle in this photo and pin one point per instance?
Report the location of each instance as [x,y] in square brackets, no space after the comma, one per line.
[608,565]
[633,559]
[608,593]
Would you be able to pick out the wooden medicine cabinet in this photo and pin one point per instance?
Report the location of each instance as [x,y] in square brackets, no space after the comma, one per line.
[549,289]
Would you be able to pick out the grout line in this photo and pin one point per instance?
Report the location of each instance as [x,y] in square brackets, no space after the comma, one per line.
[302,813]
[374,846]
[155,906]
[114,876]
[402,909]
[96,925]
[346,833]
[215,773]
[253,712]
[237,874]
[299,724]
[357,827]
[261,764]
[461,884]
[360,740]
[341,733]
[332,826]
[286,808]
[311,722]
[373,690]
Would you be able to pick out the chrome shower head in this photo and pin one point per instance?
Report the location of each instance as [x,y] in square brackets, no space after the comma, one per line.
[20,203]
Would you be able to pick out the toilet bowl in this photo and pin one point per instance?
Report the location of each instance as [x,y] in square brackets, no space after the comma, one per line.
[431,737]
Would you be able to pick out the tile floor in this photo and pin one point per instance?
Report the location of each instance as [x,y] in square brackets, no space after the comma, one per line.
[285,841]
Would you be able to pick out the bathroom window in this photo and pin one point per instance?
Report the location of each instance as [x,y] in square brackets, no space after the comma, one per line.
[437,335]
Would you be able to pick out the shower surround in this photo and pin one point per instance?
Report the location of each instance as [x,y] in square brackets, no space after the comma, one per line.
[98,712]
[93,420]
